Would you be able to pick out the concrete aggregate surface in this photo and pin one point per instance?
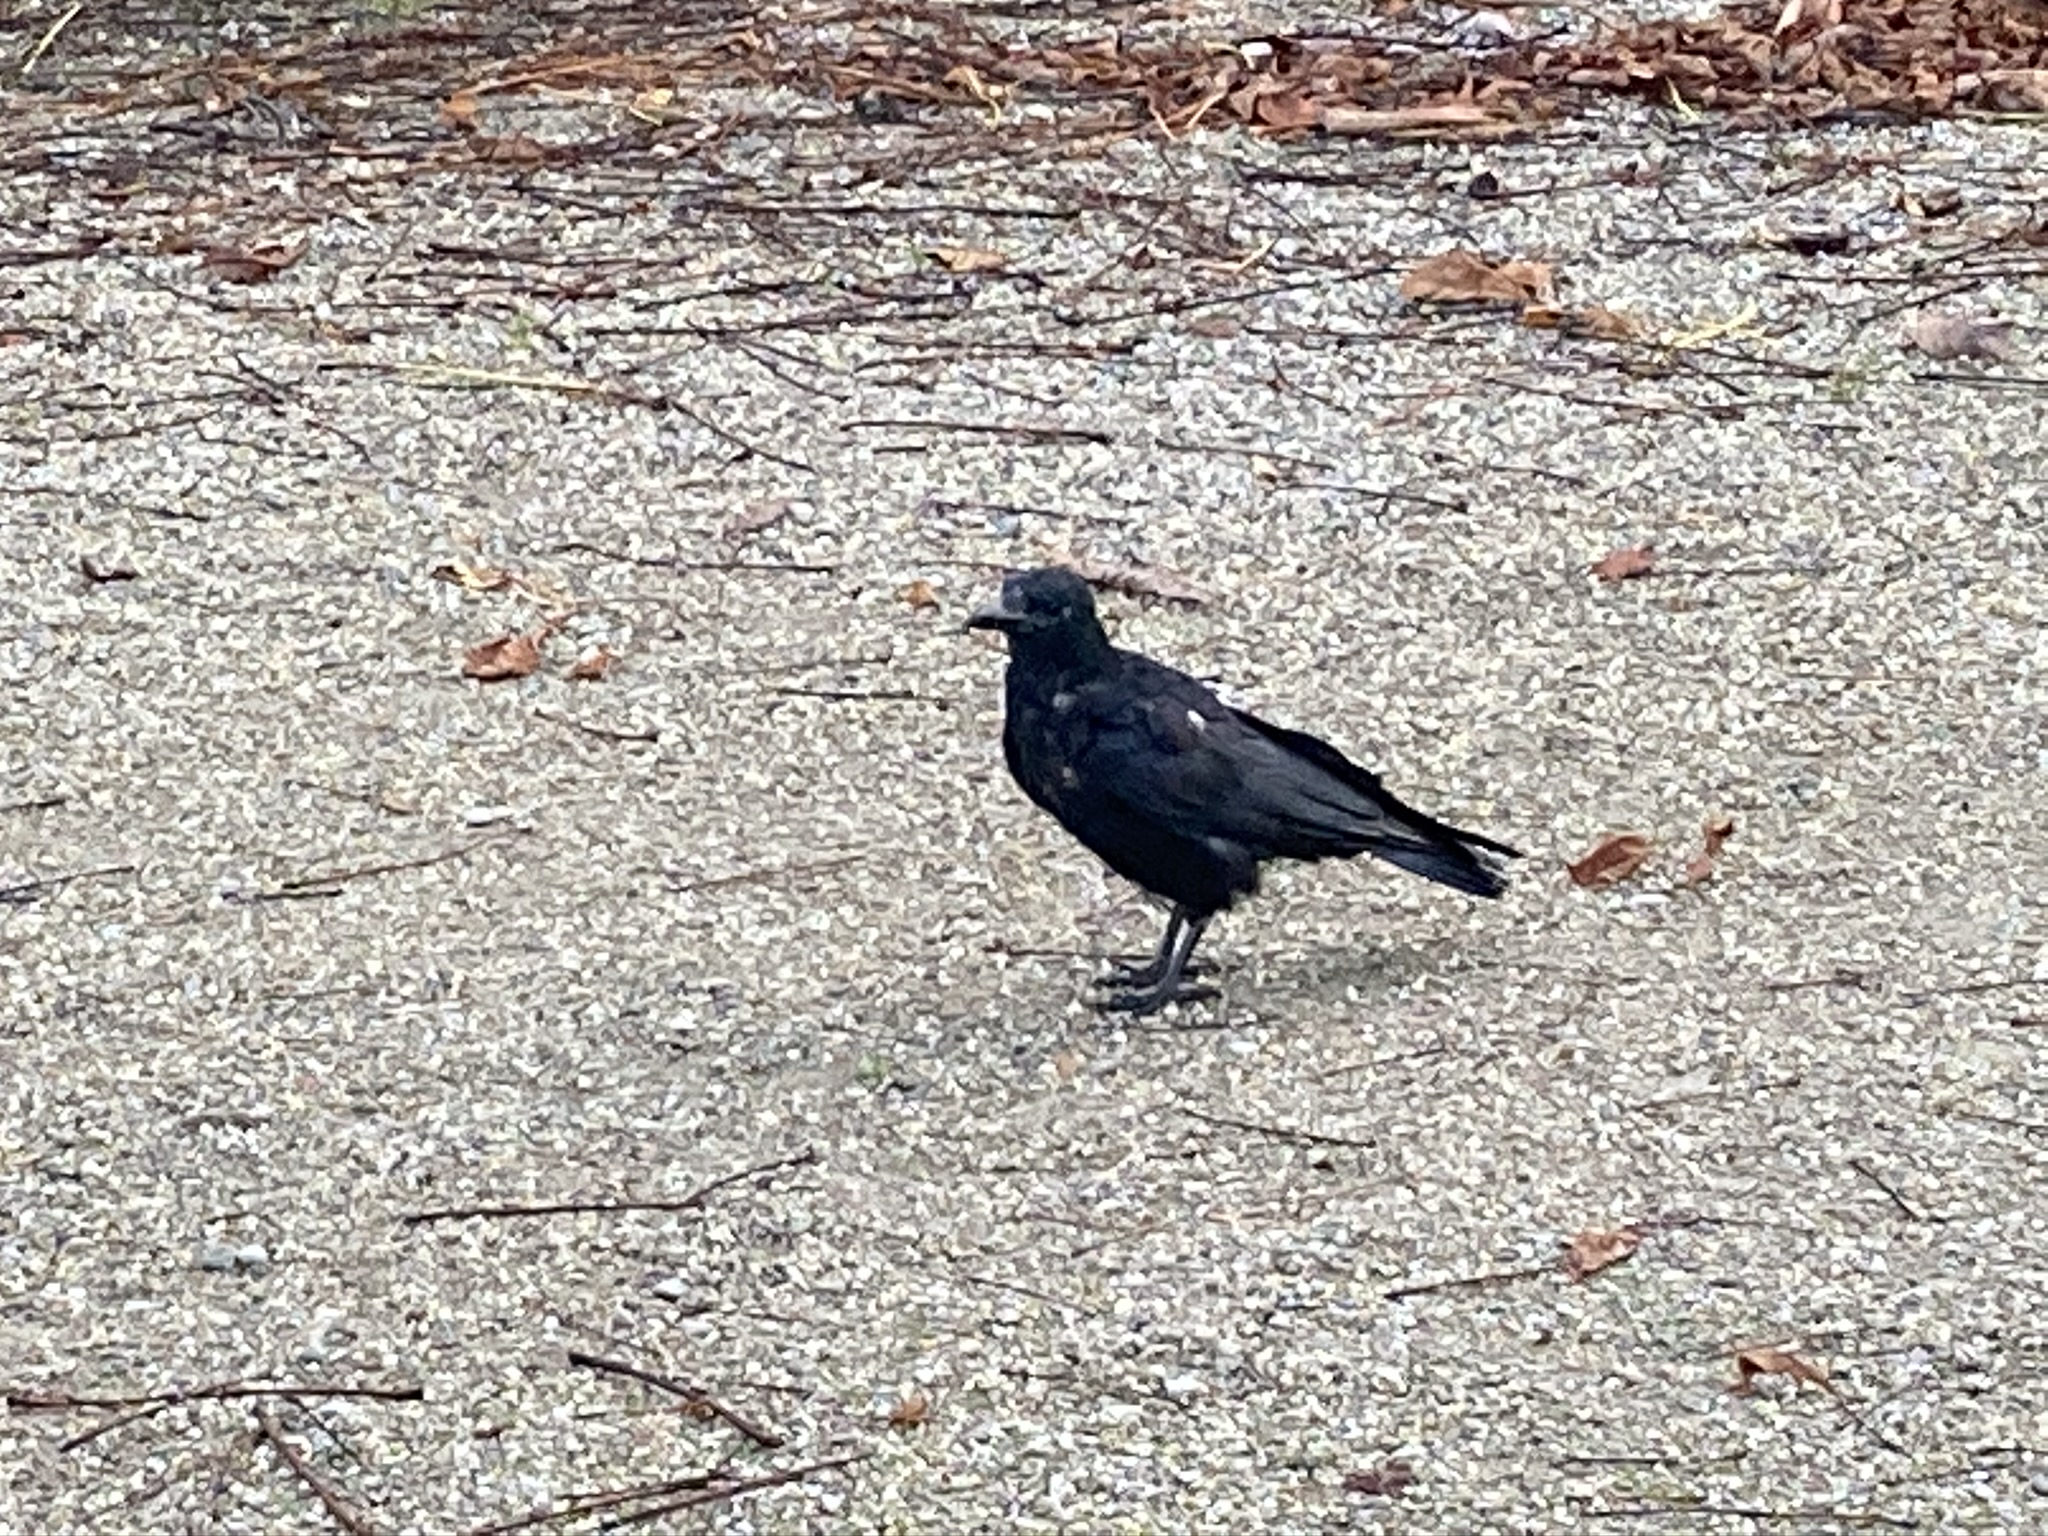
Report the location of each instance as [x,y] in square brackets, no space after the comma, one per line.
[303,932]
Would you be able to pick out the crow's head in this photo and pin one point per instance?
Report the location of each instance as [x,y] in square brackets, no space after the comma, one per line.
[1043,602]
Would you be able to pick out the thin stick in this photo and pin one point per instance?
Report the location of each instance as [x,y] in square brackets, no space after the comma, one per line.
[65,1402]
[1469,1282]
[43,43]
[27,890]
[578,1505]
[1286,1132]
[696,1397]
[603,734]
[345,1514]
[1891,1194]
[689,1202]
[732,1491]
[368,871]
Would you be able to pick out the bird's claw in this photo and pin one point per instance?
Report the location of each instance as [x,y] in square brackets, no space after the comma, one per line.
[1139,1004]
[1139,978]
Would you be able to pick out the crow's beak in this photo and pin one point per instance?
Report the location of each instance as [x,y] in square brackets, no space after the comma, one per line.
[994,616]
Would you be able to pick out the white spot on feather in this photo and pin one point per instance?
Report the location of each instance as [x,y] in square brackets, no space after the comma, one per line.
[1195,719]
[1062,701]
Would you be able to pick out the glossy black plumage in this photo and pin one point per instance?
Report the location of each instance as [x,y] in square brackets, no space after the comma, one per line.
[1178,792]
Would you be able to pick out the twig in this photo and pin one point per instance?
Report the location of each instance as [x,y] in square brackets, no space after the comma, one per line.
[1704,1511]
[1905,1207]
[369,871]
[687,1202]
[649,735]
[696,1397]
[677,563]
[50,36]
[1469,1282]
[28,890]
[1024,433]
[1284,1132]
[45,803]
[855,695]
[159,1402]
[748,876]
[732,1491]
[345,1514]
[579,1505]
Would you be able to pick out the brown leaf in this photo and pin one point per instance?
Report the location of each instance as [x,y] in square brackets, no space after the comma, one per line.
[474,578]
[1466,277]
[1214,326]
[1595,320]
[919,594]
[1340,117]
[1137,580]
[1284,111]
[967,258]
[1612,860]
[1623,564]
[1388,1480]
[915,1408]
[1948,336]
[1752,1363]
[758,515]
[1700,867]
[508,656]
[256,265]
[594,667]
[459,111]
[1595,1249]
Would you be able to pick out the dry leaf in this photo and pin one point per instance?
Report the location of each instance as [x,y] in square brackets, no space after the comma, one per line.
[474,578]
[1215,327]
[594,667]
[919,594]
[459,111]
[506,657]
[1594,1250]
[1136,580]
[1623,564]
[1752,1363]
[1284,111]
[1946,337]
[1700,867]
[1613,859]
[257,265]
[967,258]
[1388,1480]
[1595,320]
[1466,277]
[758,515]
[912,1411]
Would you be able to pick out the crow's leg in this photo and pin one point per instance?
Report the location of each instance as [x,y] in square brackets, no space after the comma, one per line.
[1148,974]
[1167,988]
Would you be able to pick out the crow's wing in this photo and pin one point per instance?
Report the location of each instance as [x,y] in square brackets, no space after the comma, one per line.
[1162,748]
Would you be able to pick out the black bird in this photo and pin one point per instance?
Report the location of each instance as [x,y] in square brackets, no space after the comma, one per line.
[1178,792]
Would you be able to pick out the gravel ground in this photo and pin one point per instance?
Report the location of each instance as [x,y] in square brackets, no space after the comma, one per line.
[327,934]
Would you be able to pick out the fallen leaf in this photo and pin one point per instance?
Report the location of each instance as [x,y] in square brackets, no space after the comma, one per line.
[14,338]
[1700,867]
[1613,859]
[1466,277]
[967,258]
[459,111]
[474,578]
[1215,327]
[257,265]
[98,574]
[1624,564]
[912,1411]
[508,656]
[1388,1480]
[595,666]
[758,515]
[1285,111]
[1948,336]
[919,594]
[1594,1250]
[1138,580]
[1752,1363]
[1595,320]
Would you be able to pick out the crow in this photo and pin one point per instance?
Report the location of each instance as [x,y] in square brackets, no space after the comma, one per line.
[1178,792]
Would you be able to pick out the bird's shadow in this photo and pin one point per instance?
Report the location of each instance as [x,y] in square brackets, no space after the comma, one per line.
[1312,979]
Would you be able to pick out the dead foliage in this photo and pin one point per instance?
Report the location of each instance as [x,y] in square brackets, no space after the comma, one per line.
[1700,867]
[1626,564]
[505,658]
[1388,1480]
[595,667]
[1752,1363]
[1598,1248]
[1466,277]
[1946,336]
[1612,860]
